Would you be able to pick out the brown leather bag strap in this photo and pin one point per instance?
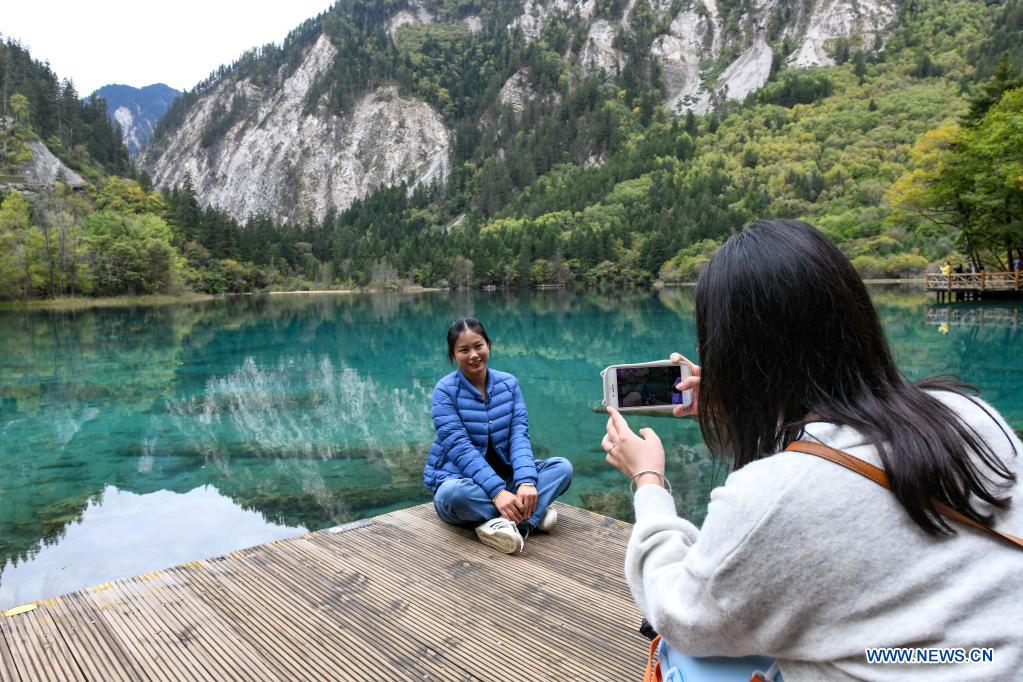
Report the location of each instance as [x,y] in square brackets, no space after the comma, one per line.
[877,475]
[653,664]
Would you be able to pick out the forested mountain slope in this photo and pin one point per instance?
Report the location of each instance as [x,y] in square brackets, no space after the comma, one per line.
[555,141]
[37,106]
[461,143]
[376,93]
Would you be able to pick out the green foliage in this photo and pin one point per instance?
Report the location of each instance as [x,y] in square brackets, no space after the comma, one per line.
[1004,78]
[971,178]
[81,130]
[19,108]
[796,87]
[122,195]
[221,120]
[131,254]
[895,266]
[1002,42]
[686,265]
[15,279]
[591,182]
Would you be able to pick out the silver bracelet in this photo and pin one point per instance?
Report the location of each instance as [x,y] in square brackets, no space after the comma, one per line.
[664,480]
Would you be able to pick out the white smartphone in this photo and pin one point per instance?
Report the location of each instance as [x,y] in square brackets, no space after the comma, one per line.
[646,386]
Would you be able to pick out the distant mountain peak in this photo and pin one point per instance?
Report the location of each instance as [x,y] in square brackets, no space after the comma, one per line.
[136,110]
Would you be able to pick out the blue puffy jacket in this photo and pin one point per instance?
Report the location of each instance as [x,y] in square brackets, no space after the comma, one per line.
[464,421]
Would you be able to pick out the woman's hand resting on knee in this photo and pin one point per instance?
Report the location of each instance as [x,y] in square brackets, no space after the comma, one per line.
[527,499]
[510,506]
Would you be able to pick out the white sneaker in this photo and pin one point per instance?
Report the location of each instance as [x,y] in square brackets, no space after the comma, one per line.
[549,520]
[501,534]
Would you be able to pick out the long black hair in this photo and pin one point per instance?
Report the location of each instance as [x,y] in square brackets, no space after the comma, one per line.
[460,325]
[788,335]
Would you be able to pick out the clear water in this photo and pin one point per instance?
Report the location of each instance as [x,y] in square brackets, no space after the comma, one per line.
[136,439]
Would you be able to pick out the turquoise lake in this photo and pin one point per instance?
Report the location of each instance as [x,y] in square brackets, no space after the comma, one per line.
[139,438]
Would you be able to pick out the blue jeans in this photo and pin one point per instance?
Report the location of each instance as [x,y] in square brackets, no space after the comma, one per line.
[461,502]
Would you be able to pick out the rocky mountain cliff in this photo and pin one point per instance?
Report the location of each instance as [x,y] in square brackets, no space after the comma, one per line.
[45,169]
[136,110]
[281,146]
[291,163]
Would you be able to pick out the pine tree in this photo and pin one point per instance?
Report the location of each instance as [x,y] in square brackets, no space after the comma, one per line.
[1004,78]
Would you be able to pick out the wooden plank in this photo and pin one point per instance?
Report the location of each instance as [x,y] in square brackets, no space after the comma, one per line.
[231,656]
[8,673]
[96,651]
[404,597]
[574,574]
[479,619]
[344,600]
[421,615]
[282,651]
[591,553]
[156,650]
[159,608]
[465,573]
[312,641]
[38,649]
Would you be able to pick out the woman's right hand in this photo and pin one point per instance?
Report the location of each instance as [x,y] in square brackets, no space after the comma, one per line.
[509,506]
[691,383]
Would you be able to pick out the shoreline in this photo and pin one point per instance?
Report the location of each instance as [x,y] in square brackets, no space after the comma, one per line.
[84,303]
[71,303]
[320,292]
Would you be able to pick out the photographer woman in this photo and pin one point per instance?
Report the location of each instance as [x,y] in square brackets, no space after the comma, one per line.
[481,466]
[798,558]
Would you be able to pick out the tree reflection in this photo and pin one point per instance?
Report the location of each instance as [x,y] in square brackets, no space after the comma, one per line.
[314,410]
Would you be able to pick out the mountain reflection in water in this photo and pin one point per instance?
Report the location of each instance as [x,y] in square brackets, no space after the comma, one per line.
[122,534]
[304,412]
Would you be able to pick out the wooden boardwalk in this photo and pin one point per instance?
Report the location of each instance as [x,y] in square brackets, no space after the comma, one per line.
[398,597]
[972,284]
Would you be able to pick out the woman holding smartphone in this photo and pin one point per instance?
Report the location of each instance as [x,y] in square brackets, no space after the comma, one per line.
[481,465]
[799,558]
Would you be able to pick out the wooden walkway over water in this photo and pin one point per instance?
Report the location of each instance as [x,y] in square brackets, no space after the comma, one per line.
[397,597]
[964,286]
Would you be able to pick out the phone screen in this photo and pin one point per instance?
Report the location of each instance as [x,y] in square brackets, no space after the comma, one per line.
[648,386]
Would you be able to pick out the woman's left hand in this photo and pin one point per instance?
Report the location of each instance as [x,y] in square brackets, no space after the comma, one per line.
[630,452]
[527,499]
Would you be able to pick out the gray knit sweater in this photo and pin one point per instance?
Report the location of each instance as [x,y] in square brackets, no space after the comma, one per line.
[810,563]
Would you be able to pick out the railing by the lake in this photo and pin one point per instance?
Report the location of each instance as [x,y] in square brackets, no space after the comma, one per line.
[972,284]
[974,316]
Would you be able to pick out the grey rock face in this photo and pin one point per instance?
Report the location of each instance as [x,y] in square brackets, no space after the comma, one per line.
[292,159]
[290,164]
[698,39]
[45,169]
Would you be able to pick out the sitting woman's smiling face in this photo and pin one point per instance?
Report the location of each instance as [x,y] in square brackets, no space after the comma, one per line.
[471,354]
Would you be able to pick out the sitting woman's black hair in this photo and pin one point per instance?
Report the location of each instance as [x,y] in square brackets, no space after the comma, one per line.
[788,335]
[461,325]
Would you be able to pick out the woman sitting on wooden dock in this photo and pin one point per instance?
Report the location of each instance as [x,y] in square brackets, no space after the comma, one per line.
[481,465]
[801,559]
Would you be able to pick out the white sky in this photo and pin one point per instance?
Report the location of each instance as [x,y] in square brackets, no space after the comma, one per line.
[99,42]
